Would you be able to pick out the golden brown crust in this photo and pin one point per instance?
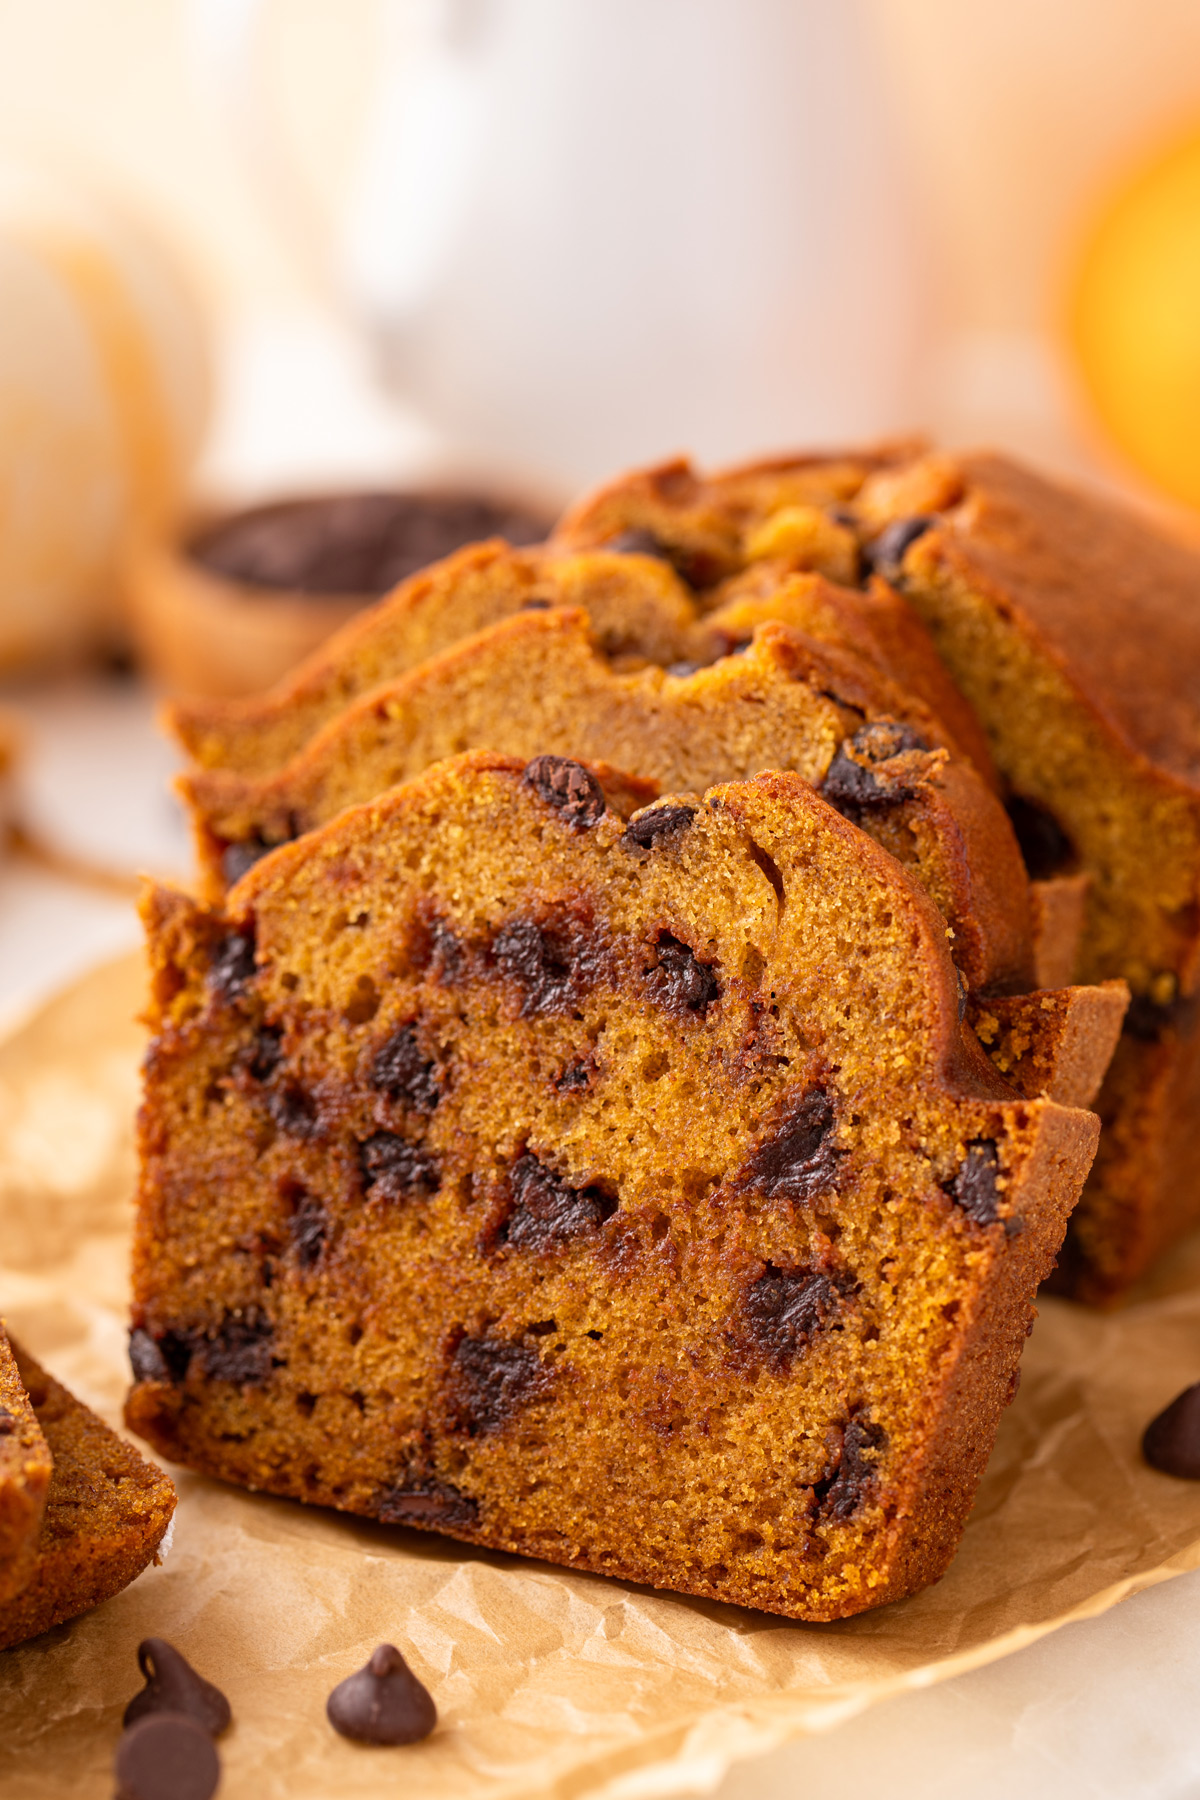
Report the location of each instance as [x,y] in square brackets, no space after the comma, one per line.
[25,1467]
[107,1511]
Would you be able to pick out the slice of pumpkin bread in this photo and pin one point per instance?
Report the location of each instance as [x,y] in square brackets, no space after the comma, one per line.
[107,1512]
[24,1476]
[538,682]
[624,1192]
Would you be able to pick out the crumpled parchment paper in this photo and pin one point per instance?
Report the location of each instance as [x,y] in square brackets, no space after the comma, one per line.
[550,1685]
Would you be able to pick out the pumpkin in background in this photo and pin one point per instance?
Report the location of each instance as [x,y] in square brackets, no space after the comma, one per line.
[103,399]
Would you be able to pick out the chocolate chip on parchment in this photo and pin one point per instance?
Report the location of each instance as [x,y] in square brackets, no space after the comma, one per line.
[383,1703]
[1172,1441]
[173,1686]
[433,1503]
[166,1756]
[567,786]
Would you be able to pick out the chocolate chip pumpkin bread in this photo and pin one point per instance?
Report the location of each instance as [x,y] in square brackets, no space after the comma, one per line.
[24,1477]
[538,682]
[626,1192]
[1074,632]
[107,1512]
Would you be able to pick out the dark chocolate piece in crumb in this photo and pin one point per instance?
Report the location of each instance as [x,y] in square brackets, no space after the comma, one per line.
[172,1685]
[885,553]
[647,829]
[8,1422]
[166,1756]
[974,1184]
[383,1703]
[855,1477]
[240,1352]
[267,1053]
[1150,1021]
[233,964]
[1045,846]
[799,1159]
[785,1307]
[294,1111]
[1171,1442]
[393,1168]
[554,961]
[852,783]
[146,1358]
[490,1379]
[547,1212]
[433,1503]
[308,1229]
[679,980]
[403,1073]
[567,786]
[236,859]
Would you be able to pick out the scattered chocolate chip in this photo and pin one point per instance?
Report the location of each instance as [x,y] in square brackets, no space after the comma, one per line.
[784,1308]
[145,1358]
[240,1351]
[173,1686]
[1150,1021]
[267,1053]
[490,1379]
[1044,844]
[679,980]
[237,858]
[576,1076]
[553,960]
[393,1168]
[383,1703]
[8,1422]
[647,829]
[294,1111]
[885,553]
[1172,1440]
[433,1503]
[855,1475]
[308,1229]
[402,1073]
[638,542]
[547,1212]
[536,605]
[570,788]
[232,965]
[166,1756]
[973,1187]
[853,784]
[800,1158]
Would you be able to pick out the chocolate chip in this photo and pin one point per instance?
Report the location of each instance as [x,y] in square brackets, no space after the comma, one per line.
[166,1756]
[233,964]
[490,1379]
[1172,1440]
[799,1159]
[308,1228]
[267,1053]
[393,1168]
[1151,1021]
[1045,846]
[885,553]
[240,1351]
[536,605]
[403,1073]
[855,1476]
[173,1686]
[646,829]
[8,1422]
[852,784]
[973,1187]
[145,1358]
[576,1076]
[383,1703]
[433,1503]
[547,1212]
[696,567]
[294,1111]
[784,1308]
[679,980]
[638,542]
[571,789]
[554,961]
[237,858]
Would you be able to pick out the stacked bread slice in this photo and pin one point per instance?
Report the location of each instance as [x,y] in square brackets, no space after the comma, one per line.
[618,1088]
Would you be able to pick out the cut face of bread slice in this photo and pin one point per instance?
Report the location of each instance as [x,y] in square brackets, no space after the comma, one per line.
[627,1193]
[107,1512]
[24,1477]
[537,683]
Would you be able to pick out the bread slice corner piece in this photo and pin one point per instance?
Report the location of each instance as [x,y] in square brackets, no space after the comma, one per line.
[626,1193]
[107,1511]
[25,1466]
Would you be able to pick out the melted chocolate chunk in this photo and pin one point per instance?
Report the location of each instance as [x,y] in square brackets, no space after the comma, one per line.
[973,1187]
[267,1053]
[546,1212]
[402,1073]
[8,1422]
[433,1503]
[237,858]
[393,1168]
[1044,844]
[232,964]
[784,1308]
[851,783]
[695,567]
[679,981]
[885,553]
[1150,1021]
[172,1685]
[855,1477]
[164,1358]
[240,1352]
[554,961]
[1172,1440]
[294,1111]
[647,829]
[383,1703]
[308,1229]
[490,1380]
[567,786]
[800,1158]
[166,1756]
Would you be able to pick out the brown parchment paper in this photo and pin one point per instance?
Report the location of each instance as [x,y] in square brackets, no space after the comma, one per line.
[549,1684]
